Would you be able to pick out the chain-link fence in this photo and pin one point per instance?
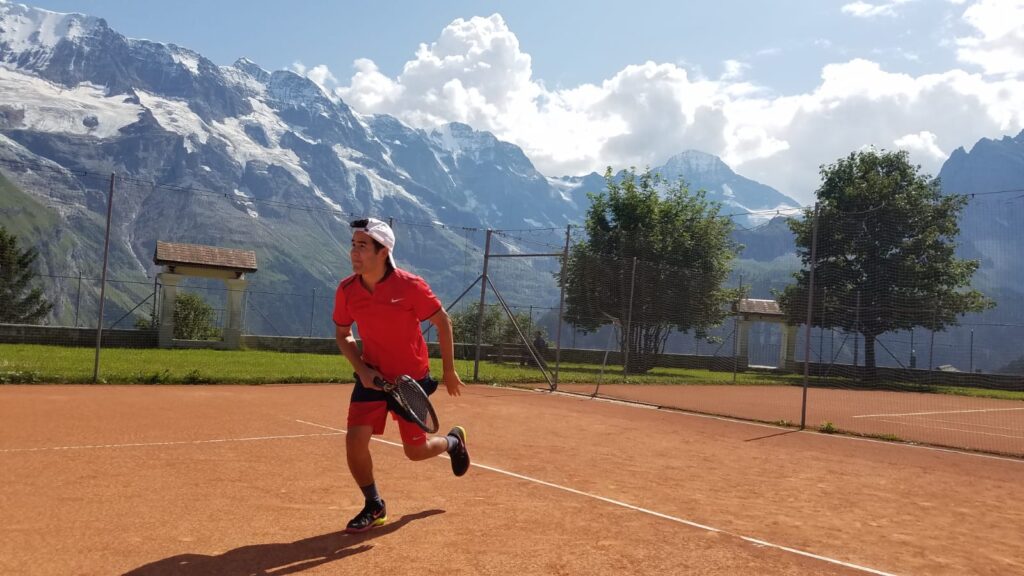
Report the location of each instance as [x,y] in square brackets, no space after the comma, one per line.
[897,346]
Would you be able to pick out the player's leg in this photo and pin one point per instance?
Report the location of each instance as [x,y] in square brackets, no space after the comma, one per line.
[419,446]
[357,451]
[365,420]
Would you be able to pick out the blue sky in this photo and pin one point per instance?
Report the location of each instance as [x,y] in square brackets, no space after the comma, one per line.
[571,41]
[774,88]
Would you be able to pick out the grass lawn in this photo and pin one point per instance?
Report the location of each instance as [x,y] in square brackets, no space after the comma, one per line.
[30,363]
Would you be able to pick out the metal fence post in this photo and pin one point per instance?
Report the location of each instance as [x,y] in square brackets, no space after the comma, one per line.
[78,298]
[312,312]
[480,310]
[629,324]
[103,282]
[561,310]
[810,314]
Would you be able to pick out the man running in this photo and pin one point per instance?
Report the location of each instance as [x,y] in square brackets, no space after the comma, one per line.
[388,304]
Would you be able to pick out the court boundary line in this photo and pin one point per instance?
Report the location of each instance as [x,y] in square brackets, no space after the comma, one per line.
[635,508]
[971,411]
[947,429]
[173,443]
[839,436]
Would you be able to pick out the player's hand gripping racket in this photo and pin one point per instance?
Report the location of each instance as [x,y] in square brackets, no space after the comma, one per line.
[411,401]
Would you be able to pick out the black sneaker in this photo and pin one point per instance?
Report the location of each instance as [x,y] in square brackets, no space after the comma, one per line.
[372,515]
[459,456]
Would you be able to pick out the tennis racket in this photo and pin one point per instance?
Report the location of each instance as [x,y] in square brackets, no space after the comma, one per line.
[411,402]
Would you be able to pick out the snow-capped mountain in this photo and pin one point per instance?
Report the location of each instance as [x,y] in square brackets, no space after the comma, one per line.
[751,203]
[736,193]
[247,157]
[288,163]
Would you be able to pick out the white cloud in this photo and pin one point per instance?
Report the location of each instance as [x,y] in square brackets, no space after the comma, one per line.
[923,143]
[319,74]
[734,69]
[998,43]
[862,9]
[476,73]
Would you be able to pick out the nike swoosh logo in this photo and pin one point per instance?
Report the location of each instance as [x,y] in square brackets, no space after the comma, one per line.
[393,300]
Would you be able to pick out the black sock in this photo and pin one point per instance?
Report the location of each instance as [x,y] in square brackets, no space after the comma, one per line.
[453,443]
[370,493]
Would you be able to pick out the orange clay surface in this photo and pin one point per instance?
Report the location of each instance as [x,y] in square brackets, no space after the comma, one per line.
[985,424]
[192,480]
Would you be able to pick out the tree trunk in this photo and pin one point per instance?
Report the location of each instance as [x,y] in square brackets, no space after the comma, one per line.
[642,347]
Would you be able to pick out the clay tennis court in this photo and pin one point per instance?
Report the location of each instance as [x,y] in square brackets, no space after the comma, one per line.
[985,424]
[252,480]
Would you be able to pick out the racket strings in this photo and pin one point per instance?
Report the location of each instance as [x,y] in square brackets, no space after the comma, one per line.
[415,401]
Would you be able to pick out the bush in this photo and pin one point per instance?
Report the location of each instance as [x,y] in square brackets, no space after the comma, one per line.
[193,318]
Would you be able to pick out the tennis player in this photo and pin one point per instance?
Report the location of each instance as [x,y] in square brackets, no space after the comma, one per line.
[388,304]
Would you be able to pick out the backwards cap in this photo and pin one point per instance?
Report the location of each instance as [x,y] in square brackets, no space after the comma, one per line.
[379,231]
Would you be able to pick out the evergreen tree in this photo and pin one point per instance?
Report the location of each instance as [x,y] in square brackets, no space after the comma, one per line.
[19,304]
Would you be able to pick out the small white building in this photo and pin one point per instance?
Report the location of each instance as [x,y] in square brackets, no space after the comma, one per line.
[752,310]
[228,264]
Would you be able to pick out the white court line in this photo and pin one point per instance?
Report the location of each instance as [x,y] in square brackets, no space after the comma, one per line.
[684,412]
[972,424]
[646,511]
[177,443]
[899,423]
[942,412]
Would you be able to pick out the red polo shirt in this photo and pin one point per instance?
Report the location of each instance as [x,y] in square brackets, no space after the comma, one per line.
[389,321]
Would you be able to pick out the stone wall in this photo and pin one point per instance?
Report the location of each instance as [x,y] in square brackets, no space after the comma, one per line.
[65,336]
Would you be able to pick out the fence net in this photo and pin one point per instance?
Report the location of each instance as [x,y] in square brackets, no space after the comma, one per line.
[897,346]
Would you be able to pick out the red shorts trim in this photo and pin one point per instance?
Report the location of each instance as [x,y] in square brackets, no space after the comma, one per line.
[375,414]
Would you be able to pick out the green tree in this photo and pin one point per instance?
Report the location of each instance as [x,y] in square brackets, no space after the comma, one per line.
[18,303]
[682,251]
[497,329]
[885,254]
[193,318]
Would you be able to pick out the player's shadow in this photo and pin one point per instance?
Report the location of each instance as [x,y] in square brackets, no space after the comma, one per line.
[277,559]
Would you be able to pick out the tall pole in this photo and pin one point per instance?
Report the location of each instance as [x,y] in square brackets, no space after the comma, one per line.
[810,312]
[736,334]
[561,309]
[856,334]
[78,297]
[103,282]
[152,314]
[821,329]
[931,347]
[972,350]
[629,322]
[480,309]
[312,312]
[913,352]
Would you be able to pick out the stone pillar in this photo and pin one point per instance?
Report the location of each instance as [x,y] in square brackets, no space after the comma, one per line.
[744,338]
[233,327]
[787,355]
[169,290]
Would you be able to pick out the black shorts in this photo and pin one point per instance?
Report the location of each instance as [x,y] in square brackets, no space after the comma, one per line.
[361,393]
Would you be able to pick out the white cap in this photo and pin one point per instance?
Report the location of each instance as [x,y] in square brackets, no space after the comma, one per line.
[379,231]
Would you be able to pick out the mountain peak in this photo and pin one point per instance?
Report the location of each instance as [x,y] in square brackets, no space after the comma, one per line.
[458,138]
[691,161]
[252,69]
[24,28]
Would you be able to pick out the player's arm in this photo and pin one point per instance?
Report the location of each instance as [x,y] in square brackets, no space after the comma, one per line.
[350,350]
[450,377]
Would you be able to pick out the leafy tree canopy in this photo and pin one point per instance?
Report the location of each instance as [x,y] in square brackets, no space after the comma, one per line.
[654,260]
[886,251]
